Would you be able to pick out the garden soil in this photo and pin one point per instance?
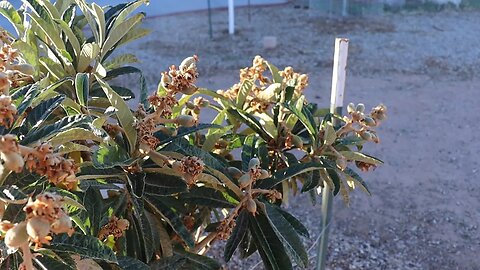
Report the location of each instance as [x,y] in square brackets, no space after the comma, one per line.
[424,212]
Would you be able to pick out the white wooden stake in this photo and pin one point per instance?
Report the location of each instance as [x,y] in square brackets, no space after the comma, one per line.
[336,104]
[231,17]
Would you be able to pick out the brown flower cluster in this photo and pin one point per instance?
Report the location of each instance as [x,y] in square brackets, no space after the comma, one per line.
[190,167]
[8,111]
[44,216]
[290,77]
[174,81]
[12,72]
[115,227]
[40,159]
[255,72]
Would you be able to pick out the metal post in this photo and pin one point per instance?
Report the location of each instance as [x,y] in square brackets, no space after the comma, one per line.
[231,17]
[210,30]
[336,104]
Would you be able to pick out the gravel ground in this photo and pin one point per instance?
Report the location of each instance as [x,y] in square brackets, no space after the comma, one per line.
[425,208]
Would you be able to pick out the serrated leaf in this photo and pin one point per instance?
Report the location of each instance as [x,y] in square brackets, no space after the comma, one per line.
[82,88]
[206,197]
[248,151]
[174,220]
[41,112]
[94,204]
[183,131]
[109,156]
[269,246]
[74,134]
[124,115]
[237,235]
[289,172]
[245,88]
[330,134]
[357,156]
[287,235]
[129,263]
[355,176]
[44,133]
[84,245]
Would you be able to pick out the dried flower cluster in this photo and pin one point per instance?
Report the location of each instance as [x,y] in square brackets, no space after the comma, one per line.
[291,78]
[44,216]
[262,92]
[8,111]
[190,168]
[13,73]
[40,159]
[175,81]
[115,227]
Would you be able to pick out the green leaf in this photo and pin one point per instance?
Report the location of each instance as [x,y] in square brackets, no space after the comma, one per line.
[332,173]
[330,134]
[121,60]
[164,184]
[144,229]
[183,147]
[206,197]
[119,32]
[245,89]
[84,245]
[94,204]
[183,260]
[109,156]
[237,234]
[24,97]
[294,222]
[12,193]
[355,176]
[275,74]
[72,39]
[269,245]
[250,121]
[124,115]
[248,151]
[87,54]
[183,131]
[357,156]
[174,220]
[289,172]
[44,133]
[137,183]
[10,13]
[287,235]
[41,112]
[305,117]
[312,181]
[128,263]
[74,134]
[82,88]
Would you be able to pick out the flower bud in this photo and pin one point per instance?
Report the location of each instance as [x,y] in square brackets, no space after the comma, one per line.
[341,163]
[24,68]
[4,83]
[177,166]
[369,121]
[185,121]
[366,135]
[13,161]
[234,172]
[350,108]
[251,206]
[360,107]
[297,141]
[244,180]
[188,63]
[264,174]
[62,225]
[38,228]
[253,163]
[123,224]
[16,236]
[190,105]
[189,90]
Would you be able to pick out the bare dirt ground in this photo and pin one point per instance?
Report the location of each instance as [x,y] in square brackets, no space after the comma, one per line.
[425,208]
